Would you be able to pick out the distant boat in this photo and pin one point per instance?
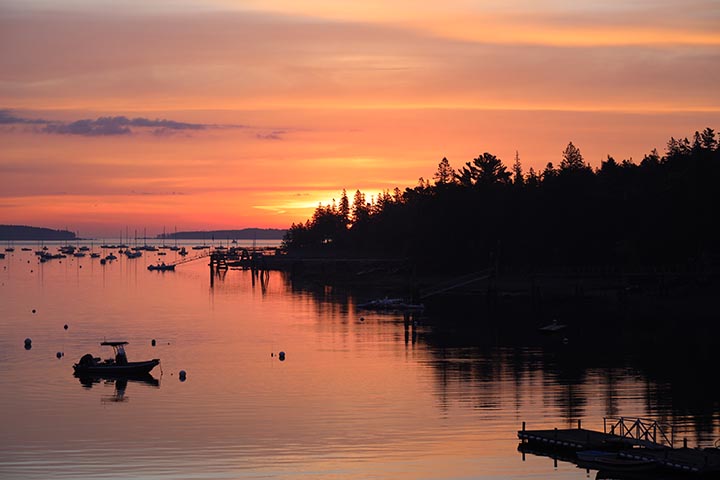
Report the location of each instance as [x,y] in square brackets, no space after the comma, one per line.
[552,327]
[2,255]
[183,252]
[26,249]
[79,254]
[391,304]
[175,247]
[116,366]
[110,256]
[95,255]
[161,266]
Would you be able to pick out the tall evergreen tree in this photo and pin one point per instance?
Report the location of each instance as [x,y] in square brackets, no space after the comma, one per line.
[549,173]
[360,208]
[707,139]
[572,159]
[345,207]
[518,179]
[486,169]
[445,173]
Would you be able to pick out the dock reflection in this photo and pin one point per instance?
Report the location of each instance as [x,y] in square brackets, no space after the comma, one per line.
[602,472]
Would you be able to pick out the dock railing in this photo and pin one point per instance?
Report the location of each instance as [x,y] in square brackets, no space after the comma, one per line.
[643,431]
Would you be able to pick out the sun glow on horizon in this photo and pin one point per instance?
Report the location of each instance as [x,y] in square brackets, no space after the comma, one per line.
[251,114]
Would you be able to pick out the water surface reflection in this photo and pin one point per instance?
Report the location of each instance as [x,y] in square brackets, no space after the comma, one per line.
[360,394]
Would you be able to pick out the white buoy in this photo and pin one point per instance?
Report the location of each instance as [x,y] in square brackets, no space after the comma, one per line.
[281,356]
[182,375]
[65,326]
[153,342]
[59,354]
[28,344]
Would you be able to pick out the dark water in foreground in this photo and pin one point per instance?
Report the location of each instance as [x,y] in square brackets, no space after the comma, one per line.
[357,396]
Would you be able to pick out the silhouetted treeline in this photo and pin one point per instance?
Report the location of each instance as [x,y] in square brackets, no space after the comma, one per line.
[23,232]
[660,211]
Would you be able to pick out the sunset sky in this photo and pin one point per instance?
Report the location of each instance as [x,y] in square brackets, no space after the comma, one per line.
[209,114]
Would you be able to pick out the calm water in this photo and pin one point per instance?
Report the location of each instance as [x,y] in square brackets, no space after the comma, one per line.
[358,395]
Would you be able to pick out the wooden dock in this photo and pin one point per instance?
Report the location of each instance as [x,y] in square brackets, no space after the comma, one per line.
[631,438]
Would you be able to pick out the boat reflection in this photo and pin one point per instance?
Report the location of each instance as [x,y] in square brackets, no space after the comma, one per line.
[120,383]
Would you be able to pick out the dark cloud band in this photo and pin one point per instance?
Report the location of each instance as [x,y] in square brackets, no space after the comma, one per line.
[102,126]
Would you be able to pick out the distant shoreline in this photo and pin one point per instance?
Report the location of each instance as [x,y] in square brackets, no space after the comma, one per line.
[24,232]
[11,233]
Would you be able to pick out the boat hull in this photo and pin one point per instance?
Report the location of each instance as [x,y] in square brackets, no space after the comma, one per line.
[613,461]
[128,369]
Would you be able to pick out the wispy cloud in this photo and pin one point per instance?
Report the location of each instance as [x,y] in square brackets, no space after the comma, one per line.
[102,126]
[274,135]
[8,118]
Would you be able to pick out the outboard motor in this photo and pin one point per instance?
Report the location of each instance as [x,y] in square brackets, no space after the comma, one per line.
[87,359]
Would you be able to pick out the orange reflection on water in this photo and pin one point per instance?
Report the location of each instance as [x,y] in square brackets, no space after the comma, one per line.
[357,394]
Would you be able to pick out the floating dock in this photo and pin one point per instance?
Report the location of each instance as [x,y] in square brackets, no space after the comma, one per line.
[629,438]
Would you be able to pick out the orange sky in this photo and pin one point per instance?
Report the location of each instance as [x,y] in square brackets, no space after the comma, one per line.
[298,100]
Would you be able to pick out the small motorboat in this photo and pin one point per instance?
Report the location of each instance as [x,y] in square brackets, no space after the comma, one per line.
[119,365]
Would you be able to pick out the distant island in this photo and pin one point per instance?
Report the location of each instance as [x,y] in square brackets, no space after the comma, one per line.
[24,232]
[243,234]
